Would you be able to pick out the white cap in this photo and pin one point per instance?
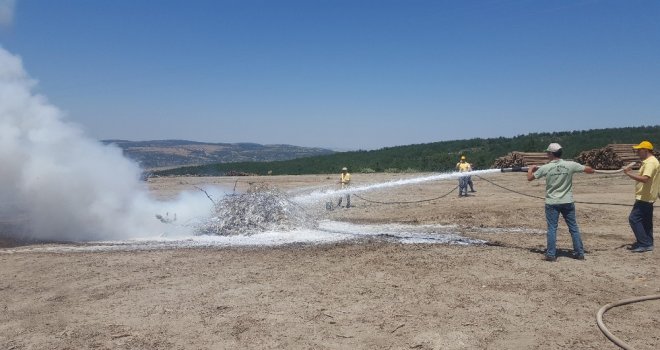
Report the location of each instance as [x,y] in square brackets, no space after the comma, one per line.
[553,147]
[344,169]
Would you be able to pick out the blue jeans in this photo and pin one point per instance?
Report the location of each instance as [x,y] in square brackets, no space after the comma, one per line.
[348,201]
[462,185]
[641,222]
[567,210]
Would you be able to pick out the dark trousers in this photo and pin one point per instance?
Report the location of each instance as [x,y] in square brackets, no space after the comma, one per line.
[641,222]
[348,201]
[469,183]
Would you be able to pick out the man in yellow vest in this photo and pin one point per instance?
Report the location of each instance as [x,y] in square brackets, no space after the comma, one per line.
[647,186]
[463,167]
[345,181]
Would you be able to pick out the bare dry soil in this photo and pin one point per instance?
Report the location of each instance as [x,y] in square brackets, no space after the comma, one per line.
[366,294]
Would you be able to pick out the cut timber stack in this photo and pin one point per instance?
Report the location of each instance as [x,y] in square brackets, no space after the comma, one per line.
[610,157]
[515,159]
[625,152]
[600,158]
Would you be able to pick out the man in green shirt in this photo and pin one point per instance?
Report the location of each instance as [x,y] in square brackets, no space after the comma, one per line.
[559,198]
[647,185]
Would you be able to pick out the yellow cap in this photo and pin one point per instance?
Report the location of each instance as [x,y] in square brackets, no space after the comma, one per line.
[462,157]
[644,145]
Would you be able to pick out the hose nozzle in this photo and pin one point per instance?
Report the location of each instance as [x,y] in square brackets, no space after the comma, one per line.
[515,169]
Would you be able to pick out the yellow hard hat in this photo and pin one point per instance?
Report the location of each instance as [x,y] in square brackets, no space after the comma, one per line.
[644,145]
[462,157]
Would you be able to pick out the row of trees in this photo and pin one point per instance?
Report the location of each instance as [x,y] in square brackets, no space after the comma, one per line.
[436,156]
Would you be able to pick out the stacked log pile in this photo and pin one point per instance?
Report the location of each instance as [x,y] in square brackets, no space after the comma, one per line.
[610,157]
[601,158]
[625,152]
[516,159]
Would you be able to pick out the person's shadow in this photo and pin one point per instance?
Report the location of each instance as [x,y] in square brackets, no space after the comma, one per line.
[561,252]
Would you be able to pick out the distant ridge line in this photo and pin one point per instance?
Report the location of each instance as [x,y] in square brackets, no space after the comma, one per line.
[158,154]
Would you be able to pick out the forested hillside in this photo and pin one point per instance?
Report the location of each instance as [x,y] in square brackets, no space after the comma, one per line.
[436,156]
[173,153]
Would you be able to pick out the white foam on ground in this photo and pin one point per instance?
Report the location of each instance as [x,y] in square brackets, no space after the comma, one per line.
[328,232]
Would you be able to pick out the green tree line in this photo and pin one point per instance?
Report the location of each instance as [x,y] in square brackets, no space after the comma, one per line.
[436,156]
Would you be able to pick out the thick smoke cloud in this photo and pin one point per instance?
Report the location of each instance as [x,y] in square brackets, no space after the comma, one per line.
[7,8]
[61,185]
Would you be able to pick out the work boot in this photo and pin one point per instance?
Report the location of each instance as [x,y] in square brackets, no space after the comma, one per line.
[642,249]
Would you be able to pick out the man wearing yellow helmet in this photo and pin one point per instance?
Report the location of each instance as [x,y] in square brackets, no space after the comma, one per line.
[647,186]
[345,181]
[463,166]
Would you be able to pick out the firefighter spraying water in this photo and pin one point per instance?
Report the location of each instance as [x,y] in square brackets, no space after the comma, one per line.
[466,180]
[344,182]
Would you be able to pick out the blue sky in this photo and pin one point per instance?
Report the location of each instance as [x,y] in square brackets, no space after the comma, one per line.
[342,74]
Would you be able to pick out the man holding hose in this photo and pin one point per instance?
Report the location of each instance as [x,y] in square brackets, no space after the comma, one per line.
[463,166]
[647,185]
[559,198]
[344,182]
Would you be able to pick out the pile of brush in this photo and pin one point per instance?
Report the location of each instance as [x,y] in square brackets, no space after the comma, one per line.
[261,209]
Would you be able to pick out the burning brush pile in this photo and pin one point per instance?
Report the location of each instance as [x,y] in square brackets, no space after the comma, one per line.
[259,210]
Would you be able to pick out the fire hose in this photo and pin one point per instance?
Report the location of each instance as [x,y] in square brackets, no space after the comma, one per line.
[602,310]
[407,202]
[525,169]
[601,324]
[518,169]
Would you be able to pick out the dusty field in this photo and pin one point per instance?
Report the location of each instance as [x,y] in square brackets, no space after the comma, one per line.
[354,295]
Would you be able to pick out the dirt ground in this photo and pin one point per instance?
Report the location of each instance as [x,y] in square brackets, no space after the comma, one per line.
[365,294]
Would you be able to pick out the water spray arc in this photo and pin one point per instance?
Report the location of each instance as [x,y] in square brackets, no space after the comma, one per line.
[315,196]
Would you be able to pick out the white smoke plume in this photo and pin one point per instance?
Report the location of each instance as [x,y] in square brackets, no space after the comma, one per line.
[62,185]
[7,8]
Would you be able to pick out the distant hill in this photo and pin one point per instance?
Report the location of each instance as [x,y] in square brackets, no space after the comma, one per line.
[436,156]
[177,153]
